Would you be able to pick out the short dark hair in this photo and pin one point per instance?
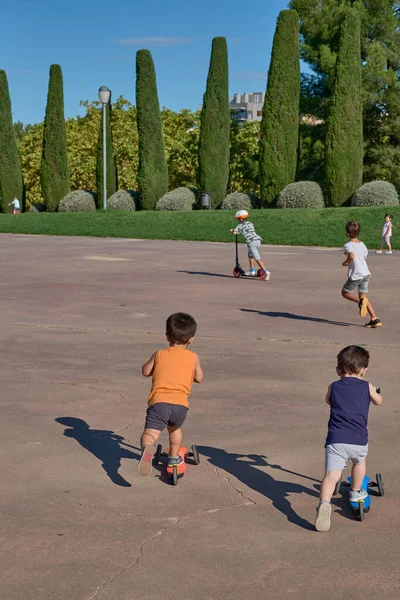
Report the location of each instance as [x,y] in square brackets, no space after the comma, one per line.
[353,228]
[389,215]
[181,327]
[352,359]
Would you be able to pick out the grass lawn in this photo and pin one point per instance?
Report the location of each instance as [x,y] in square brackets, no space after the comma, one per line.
[303,227]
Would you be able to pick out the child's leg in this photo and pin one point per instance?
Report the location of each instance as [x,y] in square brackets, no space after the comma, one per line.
[149,437]
[328,485]
[389,245]
[175,440]
[358,473]
[251,263]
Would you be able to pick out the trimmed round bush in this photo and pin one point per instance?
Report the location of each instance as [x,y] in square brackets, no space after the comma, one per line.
[375,193]
[123,200]
[180,199]
[78,201]
[38,207]
[240,200]
[302,194]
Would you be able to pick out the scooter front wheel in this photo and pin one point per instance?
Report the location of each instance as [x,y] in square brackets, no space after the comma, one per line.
[175,476]
[361,511]
[379,482]
[236,272]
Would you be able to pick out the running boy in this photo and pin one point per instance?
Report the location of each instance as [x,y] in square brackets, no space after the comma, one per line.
[349,399]
[358,274]
[386,234]
[173,370]
[253,241]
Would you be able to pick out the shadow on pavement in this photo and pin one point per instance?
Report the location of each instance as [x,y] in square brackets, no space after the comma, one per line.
[103,444]
[206,273]
[247,472]
[286,315]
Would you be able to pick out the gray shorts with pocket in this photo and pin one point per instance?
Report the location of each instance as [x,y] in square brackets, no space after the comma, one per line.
[252,248]
[337,455]
[360,284]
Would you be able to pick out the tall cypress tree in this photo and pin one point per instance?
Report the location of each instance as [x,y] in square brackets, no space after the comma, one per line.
[280,119]
[111,165]
[54,174]
[215,126]
[11,181]
[344,136]
[152,172]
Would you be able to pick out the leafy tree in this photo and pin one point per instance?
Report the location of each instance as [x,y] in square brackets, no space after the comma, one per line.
[380,58]
[280,120]
[111,168]
[244,160]
[344,135]
[214,126]
[54,168]
[11,181]
[20,130]
[152,172]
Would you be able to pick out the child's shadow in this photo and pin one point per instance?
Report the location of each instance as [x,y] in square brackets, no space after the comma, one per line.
[261,482]
[103,444]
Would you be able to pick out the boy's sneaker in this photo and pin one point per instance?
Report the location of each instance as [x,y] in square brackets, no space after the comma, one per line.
[146,460]
[175,461]
[251,273]
[388,252]
[323,520]
[373,323]
[356,495]
[378,252]
[362,305]
[267,275]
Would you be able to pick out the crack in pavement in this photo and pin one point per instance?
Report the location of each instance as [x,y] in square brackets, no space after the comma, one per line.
[228,481]
[170,522]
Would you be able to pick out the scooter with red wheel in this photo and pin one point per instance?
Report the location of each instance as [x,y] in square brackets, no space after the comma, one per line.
[238,271]
[176,472]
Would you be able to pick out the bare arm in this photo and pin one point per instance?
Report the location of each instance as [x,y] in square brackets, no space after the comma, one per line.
[198,371]
[350,257]
[376,398]
[328,395]
[148,367]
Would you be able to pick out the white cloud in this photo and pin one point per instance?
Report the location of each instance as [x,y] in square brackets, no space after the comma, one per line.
[154,41]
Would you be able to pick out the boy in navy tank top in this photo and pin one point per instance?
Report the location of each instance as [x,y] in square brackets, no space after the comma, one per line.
[349,400]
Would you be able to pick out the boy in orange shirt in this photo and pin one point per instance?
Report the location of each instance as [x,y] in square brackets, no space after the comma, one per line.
[173,370]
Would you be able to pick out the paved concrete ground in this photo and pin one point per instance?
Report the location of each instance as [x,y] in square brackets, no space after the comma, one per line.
[78,317]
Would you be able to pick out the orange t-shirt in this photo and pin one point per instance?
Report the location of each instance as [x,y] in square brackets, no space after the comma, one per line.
[173,376]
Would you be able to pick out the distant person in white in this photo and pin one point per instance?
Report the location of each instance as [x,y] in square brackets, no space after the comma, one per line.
[15,206]
[358,274]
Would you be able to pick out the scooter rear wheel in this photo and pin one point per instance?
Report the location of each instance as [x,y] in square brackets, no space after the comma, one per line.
[259,272]
[157,455]
[379,482]
[196,456]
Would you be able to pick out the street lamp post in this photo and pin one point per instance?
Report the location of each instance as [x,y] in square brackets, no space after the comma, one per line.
[104,97]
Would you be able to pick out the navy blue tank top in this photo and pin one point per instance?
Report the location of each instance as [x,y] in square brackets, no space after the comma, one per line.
[350,402]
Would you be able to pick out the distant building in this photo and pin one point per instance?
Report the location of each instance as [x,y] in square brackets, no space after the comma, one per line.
[247,107]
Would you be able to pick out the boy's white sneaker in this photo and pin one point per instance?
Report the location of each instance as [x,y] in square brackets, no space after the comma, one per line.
[251,273]
[323,520]
[378,252]
[388,252]
[267,275]
[356,495]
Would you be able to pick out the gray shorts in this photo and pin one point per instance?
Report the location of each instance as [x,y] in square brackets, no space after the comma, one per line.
[162,414]
[361,284]
[337,455]
[252,248]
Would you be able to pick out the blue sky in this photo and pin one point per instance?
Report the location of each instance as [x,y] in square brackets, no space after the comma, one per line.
[95,42]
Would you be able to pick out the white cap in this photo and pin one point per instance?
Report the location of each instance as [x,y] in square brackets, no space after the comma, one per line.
[241,214]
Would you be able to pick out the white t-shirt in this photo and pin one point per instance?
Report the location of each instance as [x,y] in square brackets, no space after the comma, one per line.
[358,268]
[15,203]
